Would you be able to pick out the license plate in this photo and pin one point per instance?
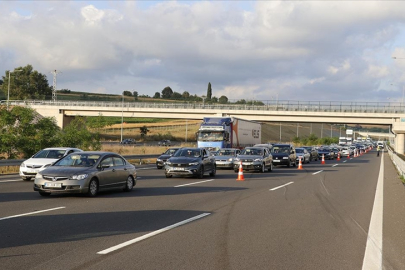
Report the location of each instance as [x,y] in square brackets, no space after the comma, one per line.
[247,163]
[220,162]
[179,169]
[32,171]
[276,160]
[58,185]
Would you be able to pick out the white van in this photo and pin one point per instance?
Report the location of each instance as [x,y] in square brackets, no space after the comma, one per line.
[380,144]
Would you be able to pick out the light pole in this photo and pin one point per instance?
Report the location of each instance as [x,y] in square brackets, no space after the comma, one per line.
[122,115]
[8,89]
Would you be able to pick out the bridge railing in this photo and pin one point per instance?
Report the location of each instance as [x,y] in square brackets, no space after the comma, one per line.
[269,105]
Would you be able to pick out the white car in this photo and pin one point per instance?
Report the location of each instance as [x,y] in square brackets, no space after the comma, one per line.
[41,160]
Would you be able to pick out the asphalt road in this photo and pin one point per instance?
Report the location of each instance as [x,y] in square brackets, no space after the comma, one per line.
[315,218]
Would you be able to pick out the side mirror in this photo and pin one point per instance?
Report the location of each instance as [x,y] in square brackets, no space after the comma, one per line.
[105,166]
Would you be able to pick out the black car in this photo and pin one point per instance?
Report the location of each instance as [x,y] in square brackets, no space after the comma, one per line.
[128,141]
[326,152]
[191,162]
[314,153]
[160,161]
[284,154]
[165,143]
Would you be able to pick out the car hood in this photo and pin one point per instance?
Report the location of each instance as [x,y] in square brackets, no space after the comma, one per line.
[164,157]
[65,171]
[300,154]
[39,161]
[280,155]
[184,159]
[223,157]
[249,156]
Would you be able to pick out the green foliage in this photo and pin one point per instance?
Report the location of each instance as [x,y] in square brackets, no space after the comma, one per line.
[144,131]
[176,95]
[135,95]
[223,100]
[167,92]
[186,95]
[99,122]
[209,92]
[25,132]
[77,135]
[26,83]
[157,95]
[127,93]
[296,139]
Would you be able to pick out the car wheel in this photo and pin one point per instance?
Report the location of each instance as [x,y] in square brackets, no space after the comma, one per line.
[168,175]
[289,164]
[263,168]
[27,179]
[159,167]
[271,167]
[295,163]
[236,171]
[93,188]
[45,194]
[214,171]
[200,173]
[129,185]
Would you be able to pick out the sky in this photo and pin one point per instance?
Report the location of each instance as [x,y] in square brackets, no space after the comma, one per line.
[252,50]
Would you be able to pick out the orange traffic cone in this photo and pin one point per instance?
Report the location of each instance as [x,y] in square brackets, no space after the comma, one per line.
[240,173]
[348,155]
[300,164]
[338,158]
[323,159]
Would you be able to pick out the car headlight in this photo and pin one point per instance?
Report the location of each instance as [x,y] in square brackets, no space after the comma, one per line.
[285,157]
[193,163]
[158,159]
[168,162]
[236,159]
[79,176]
[22,165]
[258,159]
[230,160]
[38,176]
[47,165]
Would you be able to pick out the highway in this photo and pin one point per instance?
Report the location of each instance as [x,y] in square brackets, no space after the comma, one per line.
[315,218]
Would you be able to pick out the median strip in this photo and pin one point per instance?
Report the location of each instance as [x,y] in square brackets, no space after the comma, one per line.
[33,213]
[146,236]
[289,183]
[195,183]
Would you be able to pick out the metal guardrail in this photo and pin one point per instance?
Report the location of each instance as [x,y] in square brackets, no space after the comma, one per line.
[398,162]
[17,162]
[265,105]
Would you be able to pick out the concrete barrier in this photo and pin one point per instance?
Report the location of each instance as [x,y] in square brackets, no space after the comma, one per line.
[398,162]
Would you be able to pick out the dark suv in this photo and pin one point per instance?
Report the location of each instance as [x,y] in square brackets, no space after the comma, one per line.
[191,162]
[284,154]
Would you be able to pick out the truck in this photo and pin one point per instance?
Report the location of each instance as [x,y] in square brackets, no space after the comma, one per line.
[342,141]
[228,132]
[349,138]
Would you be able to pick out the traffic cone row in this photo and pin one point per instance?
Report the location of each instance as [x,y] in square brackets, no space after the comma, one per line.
[300,164]
[240,173]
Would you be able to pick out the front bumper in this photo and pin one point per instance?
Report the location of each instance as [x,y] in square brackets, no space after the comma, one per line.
[224,164]
[248,166]
[281,161]
[65,186]
[185,171]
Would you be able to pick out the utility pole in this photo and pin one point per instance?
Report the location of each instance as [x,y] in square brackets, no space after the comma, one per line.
[55,73]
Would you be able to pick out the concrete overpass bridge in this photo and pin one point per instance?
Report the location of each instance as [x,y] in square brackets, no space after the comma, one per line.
[387,114]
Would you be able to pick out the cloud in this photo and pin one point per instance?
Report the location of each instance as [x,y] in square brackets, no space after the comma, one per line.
[305,50]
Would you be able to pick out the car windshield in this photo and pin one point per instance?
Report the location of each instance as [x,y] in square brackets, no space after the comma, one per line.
[187,153]
[78,160]
[299,150]
[50,153]
[224,152]
[281,149]
[252,151]
[170,151]
[210,136]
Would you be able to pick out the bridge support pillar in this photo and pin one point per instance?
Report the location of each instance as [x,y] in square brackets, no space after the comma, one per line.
[400,143]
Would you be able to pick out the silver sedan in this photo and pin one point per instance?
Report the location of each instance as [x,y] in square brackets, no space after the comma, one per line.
[86,172]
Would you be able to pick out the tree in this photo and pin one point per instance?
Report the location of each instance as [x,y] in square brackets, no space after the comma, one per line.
[26,83]
[176,95]
[127,93]
[186,95]
[167,92]
[157,95]
[209,92]
[144,131]
[98,122]
[214,100]
[223,100]
[136,95]
[76,134]
[22,130]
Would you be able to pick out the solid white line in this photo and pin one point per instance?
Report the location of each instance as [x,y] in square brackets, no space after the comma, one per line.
[345,161]
[4,181]
[317,172]
[135,240]
[32,213]
[373,255]
[195,183]
[282,186]
[335,165]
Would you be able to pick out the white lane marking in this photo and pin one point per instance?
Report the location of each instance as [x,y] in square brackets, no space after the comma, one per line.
[195,183]
[335,165]
[289,183]
[138,239]
[373,255]
[345,161]
[317,172]
[33,213]
[4,181]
